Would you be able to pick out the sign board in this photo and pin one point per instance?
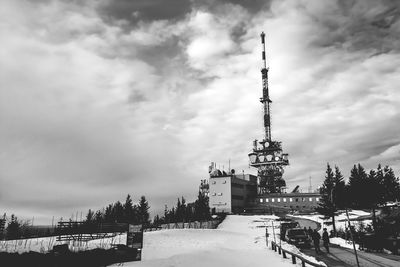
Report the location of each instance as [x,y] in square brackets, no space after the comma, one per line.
[134,238]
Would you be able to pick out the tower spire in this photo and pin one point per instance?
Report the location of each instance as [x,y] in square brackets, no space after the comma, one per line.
[265,100]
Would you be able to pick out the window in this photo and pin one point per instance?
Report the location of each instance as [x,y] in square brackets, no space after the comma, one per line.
[214,194]
[310,199]
[261,200]
[284,199]
[219,194]
[279,199]
[267,200]
[290,199]
[297,200]
[224,182]
[213,182]
[317,199]
[272,199]
[303,199]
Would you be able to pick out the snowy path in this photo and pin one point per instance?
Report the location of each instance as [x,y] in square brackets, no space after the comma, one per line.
[239,241]
[339,257]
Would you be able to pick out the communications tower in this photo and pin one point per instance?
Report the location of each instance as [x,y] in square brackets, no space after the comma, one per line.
[267,154]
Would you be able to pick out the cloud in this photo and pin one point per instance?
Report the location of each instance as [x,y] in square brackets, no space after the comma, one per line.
[146,10]
[106,98]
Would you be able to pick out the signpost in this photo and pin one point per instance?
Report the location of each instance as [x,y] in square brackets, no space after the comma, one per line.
[134,239]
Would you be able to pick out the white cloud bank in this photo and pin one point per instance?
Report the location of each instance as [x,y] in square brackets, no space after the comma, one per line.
[92,109]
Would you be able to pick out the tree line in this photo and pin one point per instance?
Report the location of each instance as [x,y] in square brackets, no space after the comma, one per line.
[186,212]
[128,212]
[118,212]
[362,191]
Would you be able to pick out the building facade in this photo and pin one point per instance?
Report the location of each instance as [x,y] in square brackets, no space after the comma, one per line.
[292,201]
[229,193]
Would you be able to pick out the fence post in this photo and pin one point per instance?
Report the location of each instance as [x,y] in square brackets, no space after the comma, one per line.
[284,254]
[293,259]
[279,250]
[303,264]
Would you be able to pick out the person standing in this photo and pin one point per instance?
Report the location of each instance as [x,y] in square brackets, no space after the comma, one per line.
[325,240]
[316,237]
[310,231]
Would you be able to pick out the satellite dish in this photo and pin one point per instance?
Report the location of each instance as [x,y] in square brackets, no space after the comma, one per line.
[253,157]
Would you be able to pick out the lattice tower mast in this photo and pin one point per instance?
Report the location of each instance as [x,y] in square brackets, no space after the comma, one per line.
[267,155]
[265,100]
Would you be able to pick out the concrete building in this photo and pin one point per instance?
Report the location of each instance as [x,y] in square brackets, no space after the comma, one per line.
[229,193]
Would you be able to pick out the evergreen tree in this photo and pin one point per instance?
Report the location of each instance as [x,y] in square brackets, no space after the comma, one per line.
[90,216]
[13,228]
[390,186]
[98,216]
[357,187]
[339,191]
[201,208]
[118,211]
[109,214]
[129,211]
[157,221]
[374,191]
[143,210]
[166,215]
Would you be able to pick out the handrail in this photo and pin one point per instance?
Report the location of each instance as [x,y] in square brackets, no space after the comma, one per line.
[283,251]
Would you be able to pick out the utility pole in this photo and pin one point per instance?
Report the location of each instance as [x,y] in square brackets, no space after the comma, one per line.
[352,239]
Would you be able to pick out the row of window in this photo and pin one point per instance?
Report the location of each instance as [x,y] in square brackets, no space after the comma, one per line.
[214,182]
[284,199]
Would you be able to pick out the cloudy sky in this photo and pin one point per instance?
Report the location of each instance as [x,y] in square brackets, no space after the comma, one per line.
[101,98]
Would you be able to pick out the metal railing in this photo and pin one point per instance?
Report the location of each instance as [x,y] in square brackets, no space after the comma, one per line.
[212,224]
[294,256]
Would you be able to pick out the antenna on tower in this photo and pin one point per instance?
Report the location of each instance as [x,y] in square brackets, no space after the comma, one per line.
[265,97]
[263,50]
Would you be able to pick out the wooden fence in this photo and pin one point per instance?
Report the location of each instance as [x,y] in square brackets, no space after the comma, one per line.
[185,225]
[294,256]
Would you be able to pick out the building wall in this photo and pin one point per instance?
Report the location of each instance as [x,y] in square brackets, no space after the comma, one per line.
[231,193]
[220,194]
[295,201]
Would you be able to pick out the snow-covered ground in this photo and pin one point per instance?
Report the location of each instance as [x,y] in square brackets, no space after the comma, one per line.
[46,244]
[238,241]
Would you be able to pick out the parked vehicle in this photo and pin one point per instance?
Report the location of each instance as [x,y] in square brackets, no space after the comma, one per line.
[298,237]
[285,226]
